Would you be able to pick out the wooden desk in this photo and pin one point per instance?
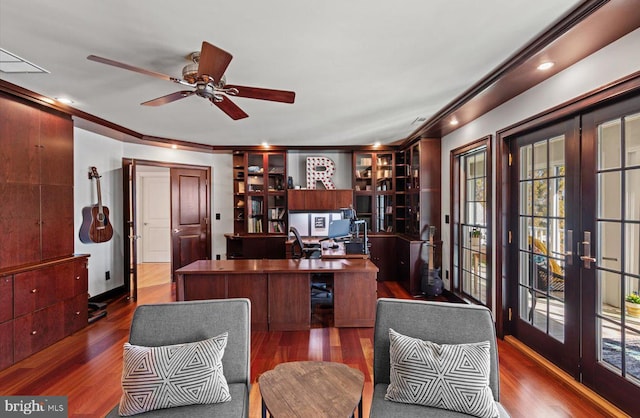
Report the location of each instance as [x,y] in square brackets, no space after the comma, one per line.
[311,389]
[280,290]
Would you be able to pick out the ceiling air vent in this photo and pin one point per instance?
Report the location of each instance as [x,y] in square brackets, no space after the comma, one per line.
[11,63]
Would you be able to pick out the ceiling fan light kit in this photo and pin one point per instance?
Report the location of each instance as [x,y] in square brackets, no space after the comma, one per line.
[206,75]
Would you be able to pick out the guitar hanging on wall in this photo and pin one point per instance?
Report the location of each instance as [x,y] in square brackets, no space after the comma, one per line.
[96,226]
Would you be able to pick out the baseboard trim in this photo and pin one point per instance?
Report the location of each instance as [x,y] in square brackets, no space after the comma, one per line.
[109,294]
[598,401]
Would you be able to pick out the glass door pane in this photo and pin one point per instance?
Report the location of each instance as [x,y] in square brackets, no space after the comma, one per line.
[618,246]
[363,172]
[384,172]
[542,235]
[473,225]
[384,213]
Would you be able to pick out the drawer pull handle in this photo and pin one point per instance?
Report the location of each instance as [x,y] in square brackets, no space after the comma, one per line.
[34,290]
[77,277]
[77,313]
[34,332]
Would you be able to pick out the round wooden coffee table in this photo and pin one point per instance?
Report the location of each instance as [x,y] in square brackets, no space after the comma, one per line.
[311,389]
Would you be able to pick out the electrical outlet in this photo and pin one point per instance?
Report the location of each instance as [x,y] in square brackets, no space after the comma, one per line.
[217,216]
[217,256]
[446,274]
[107,275]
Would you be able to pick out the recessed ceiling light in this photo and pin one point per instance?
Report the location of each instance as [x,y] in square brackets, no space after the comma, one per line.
[545,65]
[64,100]
[454,122]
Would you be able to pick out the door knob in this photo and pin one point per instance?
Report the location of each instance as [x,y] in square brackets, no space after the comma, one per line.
[586,257]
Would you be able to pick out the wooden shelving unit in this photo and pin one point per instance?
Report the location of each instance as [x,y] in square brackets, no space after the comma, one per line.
[374,189]
[259,192]
[259,205]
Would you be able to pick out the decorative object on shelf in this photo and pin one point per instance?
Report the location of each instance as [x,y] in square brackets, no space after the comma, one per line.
[632,304]
[96,226]
[289,182]
[320,169]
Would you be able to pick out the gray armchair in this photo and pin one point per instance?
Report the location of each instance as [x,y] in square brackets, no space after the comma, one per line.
[184,322]
[439,322]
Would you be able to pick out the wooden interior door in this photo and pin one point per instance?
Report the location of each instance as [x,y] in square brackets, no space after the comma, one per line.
[129,227]
[190,231]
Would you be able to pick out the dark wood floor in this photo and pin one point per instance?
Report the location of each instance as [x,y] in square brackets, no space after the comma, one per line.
[86,366]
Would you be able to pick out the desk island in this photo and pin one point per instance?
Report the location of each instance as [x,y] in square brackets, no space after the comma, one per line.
[279,290]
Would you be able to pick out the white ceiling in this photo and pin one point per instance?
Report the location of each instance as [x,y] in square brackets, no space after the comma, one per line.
[362,70]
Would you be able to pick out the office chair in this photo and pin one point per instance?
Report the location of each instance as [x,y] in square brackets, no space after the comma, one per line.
[301,250]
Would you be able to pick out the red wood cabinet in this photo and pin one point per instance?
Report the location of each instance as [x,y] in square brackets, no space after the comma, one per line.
[6,344]
[43,286]
[41,306]
[6,298]
[383,255]
[36,183]
[309,200]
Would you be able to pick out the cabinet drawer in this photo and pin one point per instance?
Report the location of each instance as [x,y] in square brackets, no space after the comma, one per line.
[37,330]
[6,298]
[76,314]
[6,344]
[81,277]
[33,290]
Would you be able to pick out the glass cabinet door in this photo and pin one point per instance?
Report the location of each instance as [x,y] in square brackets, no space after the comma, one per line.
[363,172]
[384,213]
[384,172]
[276,199]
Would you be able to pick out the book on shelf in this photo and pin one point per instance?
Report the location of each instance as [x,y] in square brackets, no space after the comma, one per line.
[276,213]
[275,226]
[241,187]
[254,226]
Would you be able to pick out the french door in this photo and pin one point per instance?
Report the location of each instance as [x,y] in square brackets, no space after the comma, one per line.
[575,247]
[543,226]
[611,212]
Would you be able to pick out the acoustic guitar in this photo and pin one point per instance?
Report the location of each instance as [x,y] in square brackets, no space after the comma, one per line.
[96,226]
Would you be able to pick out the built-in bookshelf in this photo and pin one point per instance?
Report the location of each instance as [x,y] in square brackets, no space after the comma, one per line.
[374,190]
[418,187]
[239,188]
[260,200]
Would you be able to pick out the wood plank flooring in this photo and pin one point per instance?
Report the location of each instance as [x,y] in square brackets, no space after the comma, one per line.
[86,366]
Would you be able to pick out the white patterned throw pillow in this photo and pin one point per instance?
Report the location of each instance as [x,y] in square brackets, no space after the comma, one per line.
[447,376]
[173,375]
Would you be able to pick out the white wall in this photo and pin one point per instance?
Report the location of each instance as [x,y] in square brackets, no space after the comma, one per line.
[611,63]
[106,154]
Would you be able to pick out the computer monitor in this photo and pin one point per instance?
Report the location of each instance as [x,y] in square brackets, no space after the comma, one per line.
[339,228]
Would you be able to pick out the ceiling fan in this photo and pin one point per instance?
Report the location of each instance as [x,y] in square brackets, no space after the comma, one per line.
[206,75]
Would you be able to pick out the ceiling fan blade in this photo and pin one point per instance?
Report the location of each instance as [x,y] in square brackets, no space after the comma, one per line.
[230,108]
[131,68]
[168,98]
[213,61]
[263,94]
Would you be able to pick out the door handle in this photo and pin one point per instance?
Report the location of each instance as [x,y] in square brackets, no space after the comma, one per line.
[176,230]
[568,256]
[586,258]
